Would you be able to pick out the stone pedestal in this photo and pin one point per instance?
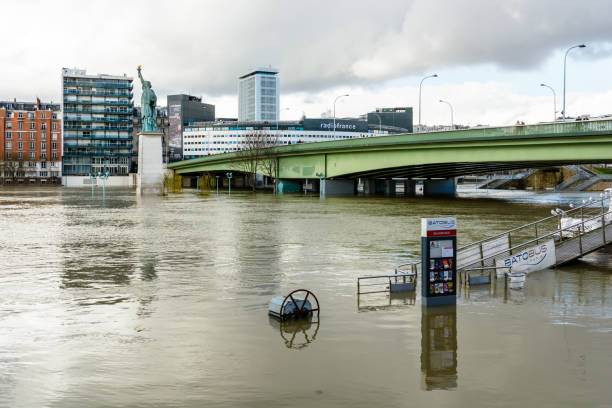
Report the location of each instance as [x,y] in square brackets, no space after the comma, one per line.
[150,178]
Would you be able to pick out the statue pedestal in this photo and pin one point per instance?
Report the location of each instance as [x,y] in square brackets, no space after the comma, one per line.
[150,178]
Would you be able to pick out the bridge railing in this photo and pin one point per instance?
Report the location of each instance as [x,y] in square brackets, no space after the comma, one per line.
[562,225]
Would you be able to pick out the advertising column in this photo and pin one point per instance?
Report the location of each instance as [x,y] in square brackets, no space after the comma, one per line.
[439,261]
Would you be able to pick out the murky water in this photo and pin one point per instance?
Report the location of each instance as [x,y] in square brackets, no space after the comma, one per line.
[163,302]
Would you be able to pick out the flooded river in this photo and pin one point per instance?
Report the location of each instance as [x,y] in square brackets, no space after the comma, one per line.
[162,302]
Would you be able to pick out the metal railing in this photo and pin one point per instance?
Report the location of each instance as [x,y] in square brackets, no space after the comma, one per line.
[485,251]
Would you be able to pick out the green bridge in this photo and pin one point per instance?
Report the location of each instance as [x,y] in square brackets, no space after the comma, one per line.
[436,156]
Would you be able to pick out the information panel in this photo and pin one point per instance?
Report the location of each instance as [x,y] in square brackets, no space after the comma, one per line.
[439,261]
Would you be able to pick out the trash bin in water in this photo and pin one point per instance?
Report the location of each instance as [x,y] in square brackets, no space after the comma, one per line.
[296,305]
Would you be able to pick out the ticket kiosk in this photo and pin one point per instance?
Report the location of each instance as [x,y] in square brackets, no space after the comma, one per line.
[439,261]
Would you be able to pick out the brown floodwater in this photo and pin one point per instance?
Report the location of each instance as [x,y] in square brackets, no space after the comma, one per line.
[162,301]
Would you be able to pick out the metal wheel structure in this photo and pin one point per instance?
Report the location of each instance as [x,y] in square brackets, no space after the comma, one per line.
[299,310]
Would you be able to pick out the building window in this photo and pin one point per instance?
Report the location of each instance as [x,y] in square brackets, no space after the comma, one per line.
[32,155]
[54,136]
[30,115]
[43,146]
[9,145]
[19,155]
[43,136]
[54,146]
[9,135]
[32,135]
[43,126]
[9,125]
[21,114]
[32,125]
[8,155]
[54,155]
[43,174]
[20,145]
[43,165]
[20,125]
[43,156]
[54,126]
[32,146]
[44,116]
[20,135]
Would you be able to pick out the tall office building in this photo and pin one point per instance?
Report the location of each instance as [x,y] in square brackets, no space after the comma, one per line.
[97,126]
[183,110]
[30,143]
[258,95]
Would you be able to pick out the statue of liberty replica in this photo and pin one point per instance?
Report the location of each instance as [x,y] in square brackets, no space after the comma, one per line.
[148,101]
[150,179]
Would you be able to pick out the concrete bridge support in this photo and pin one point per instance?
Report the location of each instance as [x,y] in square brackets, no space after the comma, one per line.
[439,187]
[337,187]
[288,186]
[369,186]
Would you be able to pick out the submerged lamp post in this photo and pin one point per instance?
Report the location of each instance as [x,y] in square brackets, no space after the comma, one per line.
[217,177]
[229,178]
[565,70]
[102,177]
[420,86]
[320,176]
[452,113]
[336,100]
[554,101]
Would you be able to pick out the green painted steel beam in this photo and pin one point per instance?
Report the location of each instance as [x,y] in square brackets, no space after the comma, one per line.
[432,154]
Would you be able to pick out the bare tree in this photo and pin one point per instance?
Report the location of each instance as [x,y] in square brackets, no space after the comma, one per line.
[255,155]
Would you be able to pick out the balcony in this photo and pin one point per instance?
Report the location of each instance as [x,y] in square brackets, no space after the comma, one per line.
[77,119]
[100,84]
[107,153]
[99,145]
[96,137]
[97,93]
[89,102]
[109,128]
[108,111]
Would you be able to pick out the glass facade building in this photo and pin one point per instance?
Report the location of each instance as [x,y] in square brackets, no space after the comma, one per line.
[258,95]
[97,123]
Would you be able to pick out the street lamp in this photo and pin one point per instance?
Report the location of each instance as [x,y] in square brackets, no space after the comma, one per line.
[229,179]
[379,123]
[420,86]
[565,70]
[335,100]
[554,101]
[452,113]
[278,117]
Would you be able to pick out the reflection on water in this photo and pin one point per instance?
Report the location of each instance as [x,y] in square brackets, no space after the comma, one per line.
[163,301]
[297,334]
[439,348]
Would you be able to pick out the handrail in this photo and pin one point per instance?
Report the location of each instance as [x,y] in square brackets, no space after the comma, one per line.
[531,224]
[560,230]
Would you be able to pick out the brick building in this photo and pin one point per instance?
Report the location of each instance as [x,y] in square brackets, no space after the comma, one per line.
[30,143]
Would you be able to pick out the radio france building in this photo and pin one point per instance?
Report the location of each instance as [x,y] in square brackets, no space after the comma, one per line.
[208,138]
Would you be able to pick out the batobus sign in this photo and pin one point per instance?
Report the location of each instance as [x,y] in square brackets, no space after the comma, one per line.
[532,259]
[439,261]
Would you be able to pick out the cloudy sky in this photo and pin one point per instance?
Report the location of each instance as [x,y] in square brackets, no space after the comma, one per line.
[491,56]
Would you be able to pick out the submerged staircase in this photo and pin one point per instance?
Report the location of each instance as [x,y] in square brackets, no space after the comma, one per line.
[576,232]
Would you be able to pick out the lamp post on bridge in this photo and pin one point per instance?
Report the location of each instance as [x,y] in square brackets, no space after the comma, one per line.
[335,100]
[420,88]
[278,117]
[554,101]
[451,112]
[565,70]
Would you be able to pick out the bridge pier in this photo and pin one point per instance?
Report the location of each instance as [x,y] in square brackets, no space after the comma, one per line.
[337,187]
[288,186]
[444,187]
[368,186]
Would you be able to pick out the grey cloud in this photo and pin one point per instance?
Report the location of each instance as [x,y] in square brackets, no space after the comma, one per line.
[202,46]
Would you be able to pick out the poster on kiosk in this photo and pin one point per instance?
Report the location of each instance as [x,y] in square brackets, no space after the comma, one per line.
[439,261]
